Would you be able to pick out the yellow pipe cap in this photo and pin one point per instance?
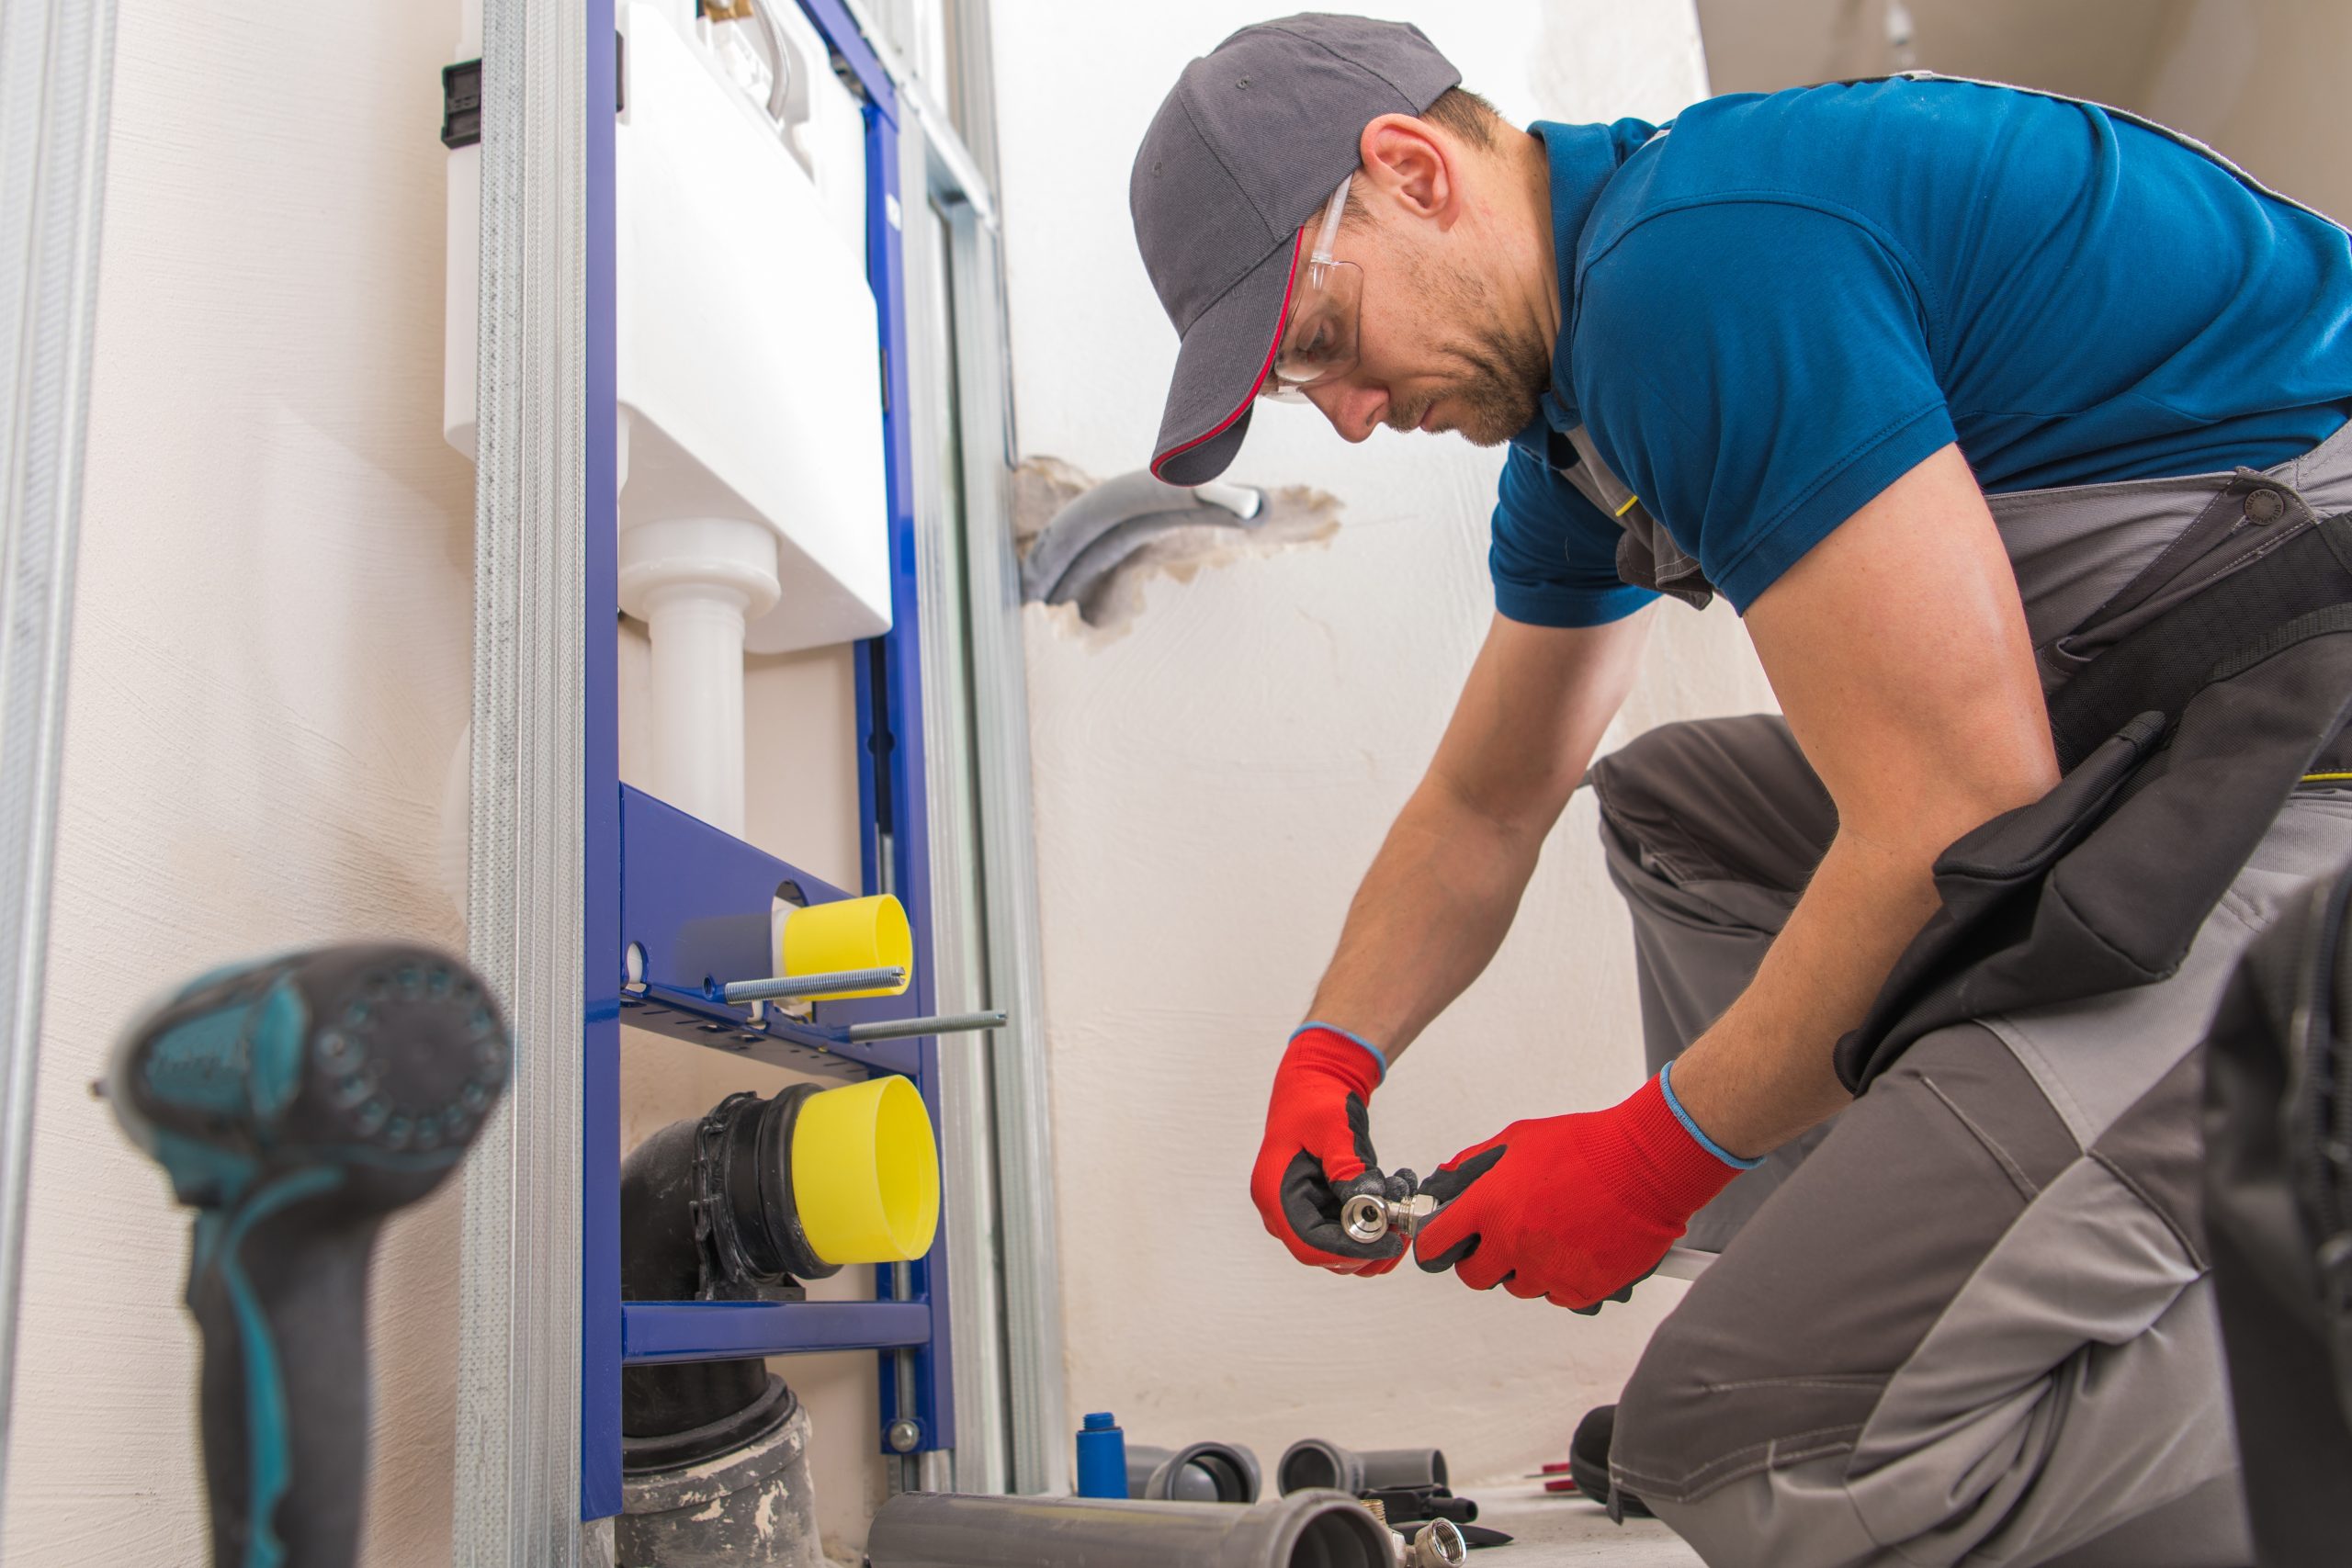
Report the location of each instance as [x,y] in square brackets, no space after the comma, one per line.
[848,933]
[865,1172]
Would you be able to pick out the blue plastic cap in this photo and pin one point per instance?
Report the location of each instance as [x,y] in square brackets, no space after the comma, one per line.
[1100,1421]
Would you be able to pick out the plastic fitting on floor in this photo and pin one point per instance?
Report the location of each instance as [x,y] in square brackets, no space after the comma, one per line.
[1202,1473]
[1314,1461]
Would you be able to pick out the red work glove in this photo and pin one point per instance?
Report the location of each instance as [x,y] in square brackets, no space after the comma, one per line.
[1317,1152]
[1575,1208]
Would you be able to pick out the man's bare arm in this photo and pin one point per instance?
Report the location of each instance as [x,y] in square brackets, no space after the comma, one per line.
[1899,651]
[1442,891]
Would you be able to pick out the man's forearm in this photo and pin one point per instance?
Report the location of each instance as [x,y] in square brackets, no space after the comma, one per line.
[1765,1072]
[1427,919]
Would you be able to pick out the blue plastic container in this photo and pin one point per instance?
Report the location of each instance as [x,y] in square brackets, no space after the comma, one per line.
[1102,1457]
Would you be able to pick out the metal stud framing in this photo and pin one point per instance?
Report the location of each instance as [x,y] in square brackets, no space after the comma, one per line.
[56,65]
[519,1371]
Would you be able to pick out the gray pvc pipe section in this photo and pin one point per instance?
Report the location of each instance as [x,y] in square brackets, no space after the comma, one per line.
[1307,1529]
[1202,1473]
[1313,1463]
[1090,536]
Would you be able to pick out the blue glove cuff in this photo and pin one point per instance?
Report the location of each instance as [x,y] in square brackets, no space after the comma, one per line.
[1665,1087]
[1378,1059]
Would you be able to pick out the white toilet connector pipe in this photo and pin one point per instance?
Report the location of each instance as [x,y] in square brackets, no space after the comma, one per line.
[696,583]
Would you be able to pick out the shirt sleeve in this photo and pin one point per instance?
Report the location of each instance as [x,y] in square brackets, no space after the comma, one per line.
[1757,372]
[1554,556]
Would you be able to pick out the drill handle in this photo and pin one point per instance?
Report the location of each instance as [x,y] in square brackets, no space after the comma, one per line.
[278,1286]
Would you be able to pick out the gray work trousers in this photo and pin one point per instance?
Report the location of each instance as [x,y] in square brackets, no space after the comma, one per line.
[1972,1323]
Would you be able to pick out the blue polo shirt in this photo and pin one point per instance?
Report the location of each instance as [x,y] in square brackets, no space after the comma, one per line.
[1775,306]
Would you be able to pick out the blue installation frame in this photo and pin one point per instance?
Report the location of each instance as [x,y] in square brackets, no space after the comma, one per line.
[675,906]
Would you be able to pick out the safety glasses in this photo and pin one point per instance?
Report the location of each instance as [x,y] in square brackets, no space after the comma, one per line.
[1319,339]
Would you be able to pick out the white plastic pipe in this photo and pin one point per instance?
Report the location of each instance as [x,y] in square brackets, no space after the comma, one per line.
[696,583]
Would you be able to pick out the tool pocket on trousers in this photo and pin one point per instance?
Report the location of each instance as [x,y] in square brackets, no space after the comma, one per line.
[2017,848]
[1992,882]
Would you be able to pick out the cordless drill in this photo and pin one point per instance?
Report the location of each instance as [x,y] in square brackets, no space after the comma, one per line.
[295,1103]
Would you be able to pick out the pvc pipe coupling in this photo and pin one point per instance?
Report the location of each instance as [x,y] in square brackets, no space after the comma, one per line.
[1200,1473]
[1313,1463]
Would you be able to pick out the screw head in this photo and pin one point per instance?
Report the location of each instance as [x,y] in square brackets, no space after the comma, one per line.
[904,1435]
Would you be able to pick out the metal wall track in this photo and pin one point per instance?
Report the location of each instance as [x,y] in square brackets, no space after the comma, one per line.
[518,1370]
[1026,1224]
[56,66]
[997,1131]
[960,937]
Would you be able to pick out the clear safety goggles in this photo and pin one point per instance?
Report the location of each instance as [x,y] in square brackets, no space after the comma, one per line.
[1318,338]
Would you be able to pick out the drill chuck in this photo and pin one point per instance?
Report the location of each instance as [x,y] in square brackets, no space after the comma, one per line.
[295,1103]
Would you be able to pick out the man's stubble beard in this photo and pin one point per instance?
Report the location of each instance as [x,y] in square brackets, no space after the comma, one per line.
[1501,400]
[1506,370]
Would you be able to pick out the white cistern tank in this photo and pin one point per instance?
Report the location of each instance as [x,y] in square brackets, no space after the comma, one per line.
[754,514]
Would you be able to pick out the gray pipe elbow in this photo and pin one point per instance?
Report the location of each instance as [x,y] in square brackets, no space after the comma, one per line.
[1095,533]
[1202,1473]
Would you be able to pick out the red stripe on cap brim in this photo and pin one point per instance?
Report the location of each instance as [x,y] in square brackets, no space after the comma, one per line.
[1273,349]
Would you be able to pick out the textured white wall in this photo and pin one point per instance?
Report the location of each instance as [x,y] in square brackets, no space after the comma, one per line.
[270,669]
[1211,786]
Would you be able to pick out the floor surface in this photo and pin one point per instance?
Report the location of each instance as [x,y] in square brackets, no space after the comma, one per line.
[1554,1531]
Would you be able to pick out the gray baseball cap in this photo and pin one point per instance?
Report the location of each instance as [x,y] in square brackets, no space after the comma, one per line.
[1249,146]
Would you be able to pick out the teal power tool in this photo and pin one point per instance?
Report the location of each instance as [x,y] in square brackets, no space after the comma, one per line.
[295,1103]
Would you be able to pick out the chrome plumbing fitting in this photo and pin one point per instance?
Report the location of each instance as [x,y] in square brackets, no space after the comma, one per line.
[1368,1216]
[1437,1544]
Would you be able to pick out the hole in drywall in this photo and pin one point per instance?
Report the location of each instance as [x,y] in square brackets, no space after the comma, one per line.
[1088,547]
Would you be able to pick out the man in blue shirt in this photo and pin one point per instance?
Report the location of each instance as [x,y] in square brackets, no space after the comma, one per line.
[1949,389]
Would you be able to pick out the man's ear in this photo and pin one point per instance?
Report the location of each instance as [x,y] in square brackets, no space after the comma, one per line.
[1411,166]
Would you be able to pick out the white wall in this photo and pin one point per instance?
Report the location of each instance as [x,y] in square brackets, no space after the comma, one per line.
[270,667]
[2258,79]
[2261,80]
[1211,785]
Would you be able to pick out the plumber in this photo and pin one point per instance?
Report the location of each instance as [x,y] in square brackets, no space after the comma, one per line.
[2009,426]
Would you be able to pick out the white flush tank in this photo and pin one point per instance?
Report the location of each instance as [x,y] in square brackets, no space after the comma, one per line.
[752,509]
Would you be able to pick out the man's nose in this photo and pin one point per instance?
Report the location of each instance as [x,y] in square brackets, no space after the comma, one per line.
[1354,410]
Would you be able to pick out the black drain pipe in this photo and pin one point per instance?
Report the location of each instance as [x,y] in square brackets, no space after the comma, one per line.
[706,1215]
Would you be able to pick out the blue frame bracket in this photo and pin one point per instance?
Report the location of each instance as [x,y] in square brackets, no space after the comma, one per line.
[695,902]
[600,1046]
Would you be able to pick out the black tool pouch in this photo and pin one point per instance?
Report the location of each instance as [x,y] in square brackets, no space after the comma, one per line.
[2103,884]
